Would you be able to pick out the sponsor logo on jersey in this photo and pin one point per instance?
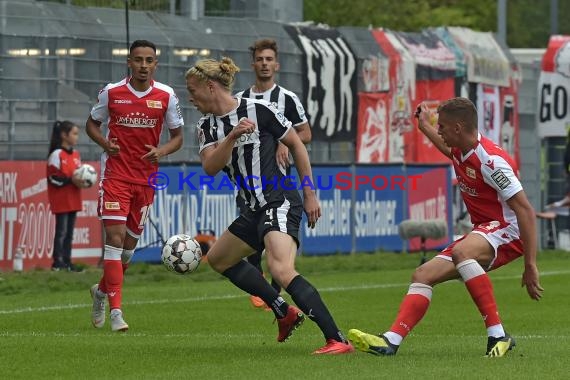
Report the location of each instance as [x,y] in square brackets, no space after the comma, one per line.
[466,189]
[471,173]
[280,117]
[490,164]
[246,138]
[154,104]
[123,101]
[112,206]
[136,120]
[500,179]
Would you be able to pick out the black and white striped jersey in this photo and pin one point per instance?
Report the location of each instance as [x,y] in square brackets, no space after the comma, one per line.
[252,168]
[284,100]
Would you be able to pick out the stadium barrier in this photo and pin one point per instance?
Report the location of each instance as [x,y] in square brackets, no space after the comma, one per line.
[362,207]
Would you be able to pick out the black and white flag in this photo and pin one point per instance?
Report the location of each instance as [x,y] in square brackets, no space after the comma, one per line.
[329,88]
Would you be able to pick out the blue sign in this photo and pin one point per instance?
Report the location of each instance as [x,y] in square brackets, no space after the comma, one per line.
[362,206]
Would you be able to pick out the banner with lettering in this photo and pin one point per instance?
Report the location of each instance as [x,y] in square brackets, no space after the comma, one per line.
[329,88]
[335,228]
[554,89]
[431,200]
[363,205]
[186,201]
[379,207]
[26,221]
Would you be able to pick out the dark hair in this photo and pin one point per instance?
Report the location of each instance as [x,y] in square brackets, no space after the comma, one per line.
[461,110]
[263,44]
[141,43]
[59,126]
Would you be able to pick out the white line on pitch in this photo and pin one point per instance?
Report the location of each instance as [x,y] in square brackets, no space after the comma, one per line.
[232,296]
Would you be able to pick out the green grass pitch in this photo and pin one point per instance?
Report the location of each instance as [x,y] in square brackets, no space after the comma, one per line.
[202,327]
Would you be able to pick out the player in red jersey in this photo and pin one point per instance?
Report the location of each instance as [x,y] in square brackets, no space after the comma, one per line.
[136,109]
[504,229]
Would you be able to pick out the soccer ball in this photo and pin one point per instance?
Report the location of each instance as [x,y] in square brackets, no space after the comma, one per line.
[87,173]
[181,254]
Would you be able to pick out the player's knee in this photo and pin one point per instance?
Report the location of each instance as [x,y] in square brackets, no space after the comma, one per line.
[115,239]
[216,264]
[127,255]
[419,276]
[284,276]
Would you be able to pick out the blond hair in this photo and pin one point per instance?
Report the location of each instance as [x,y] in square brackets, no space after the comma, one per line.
[222,71]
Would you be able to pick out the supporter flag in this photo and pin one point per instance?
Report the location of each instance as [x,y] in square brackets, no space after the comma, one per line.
[329,88]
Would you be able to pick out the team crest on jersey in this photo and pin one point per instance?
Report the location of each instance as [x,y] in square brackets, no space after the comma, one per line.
[471,173]
[201,136]
[501,179]
[154,104]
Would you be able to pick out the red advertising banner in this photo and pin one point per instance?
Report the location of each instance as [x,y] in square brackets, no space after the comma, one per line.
[433,92]
[374,132]
[429,201]
[26,220]
[402,71]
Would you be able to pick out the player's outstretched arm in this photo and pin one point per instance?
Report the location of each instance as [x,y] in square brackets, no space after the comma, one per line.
[425,117]
[527,225]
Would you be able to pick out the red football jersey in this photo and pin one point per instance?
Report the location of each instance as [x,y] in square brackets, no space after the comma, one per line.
[135,119]
[487,177]
[63,195]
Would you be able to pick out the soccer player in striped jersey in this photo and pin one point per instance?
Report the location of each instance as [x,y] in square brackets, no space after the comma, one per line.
[240,136]
[504,230]
[265,65]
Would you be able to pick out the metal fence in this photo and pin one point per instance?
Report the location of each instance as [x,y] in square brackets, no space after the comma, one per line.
[54,58]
